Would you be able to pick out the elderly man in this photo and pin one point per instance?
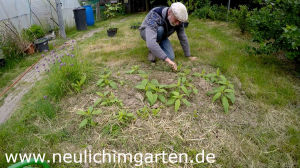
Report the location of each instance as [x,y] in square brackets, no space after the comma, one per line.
[159,24]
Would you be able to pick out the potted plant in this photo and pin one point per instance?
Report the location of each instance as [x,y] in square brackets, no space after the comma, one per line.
[34,34]
[111,11]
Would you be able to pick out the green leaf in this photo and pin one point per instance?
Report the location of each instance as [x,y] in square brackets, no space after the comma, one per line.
[175,93]
[97,112]
[162,98]
[177,105]
[170,102]
[100,81]
[82,80]
[187,103]
[197,74]
[130,72]
[91,109]
[113,85]
[83,123]
[154,82]
[216,96]
[140,87]
[97,102]
[184,89]
[151,97]
[225,104]
[81,112]
[195,91]
[144,82]
[100,94]
[171,86]
[231,97]
[228,91]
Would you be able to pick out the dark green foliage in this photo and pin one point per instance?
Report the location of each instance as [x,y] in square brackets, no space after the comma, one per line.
[242,18]
[214,12]
[33,33]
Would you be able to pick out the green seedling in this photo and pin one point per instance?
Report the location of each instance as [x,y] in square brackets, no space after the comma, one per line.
[183,83]
[223,94]
[176,99]
[134,69]
[88,117]
[143,112]
[106,81]
[124,117]
[78,84]
[108,99]
[197,74]
[212,77]
[153,90]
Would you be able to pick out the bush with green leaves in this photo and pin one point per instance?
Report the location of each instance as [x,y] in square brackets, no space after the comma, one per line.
[112,10]
[242,18]
[291,41]
[213,12]
[33,32]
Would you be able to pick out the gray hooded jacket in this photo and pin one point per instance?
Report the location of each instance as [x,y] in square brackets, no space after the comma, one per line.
[148,31]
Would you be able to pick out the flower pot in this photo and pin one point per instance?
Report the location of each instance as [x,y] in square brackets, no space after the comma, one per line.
[42,44]
[111,32]
[30,49]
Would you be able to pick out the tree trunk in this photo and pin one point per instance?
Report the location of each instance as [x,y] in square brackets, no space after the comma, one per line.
[62,32]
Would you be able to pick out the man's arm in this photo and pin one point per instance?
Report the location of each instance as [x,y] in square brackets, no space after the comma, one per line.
[151,37]
[183,41]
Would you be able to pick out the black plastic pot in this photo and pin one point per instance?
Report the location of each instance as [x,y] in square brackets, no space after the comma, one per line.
[41,44]
[111,32]
[186,24]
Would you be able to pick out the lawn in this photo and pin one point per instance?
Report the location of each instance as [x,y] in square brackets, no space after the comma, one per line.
[261,128]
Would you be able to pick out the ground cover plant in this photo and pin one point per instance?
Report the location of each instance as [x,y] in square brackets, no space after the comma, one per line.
[260,129]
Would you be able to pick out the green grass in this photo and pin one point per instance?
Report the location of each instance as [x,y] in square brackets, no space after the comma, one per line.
[263,131]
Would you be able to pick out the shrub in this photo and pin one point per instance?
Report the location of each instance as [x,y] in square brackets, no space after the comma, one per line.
[290,39]
[242,18]
[113,10]
[202,13]
[33,33]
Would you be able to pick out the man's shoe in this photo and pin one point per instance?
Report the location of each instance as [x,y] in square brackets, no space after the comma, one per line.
[151,57]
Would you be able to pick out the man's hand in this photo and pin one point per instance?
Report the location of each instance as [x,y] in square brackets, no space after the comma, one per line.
[192,58]
[173,64]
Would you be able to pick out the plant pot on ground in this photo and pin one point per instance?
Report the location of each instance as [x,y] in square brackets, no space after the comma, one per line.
[111,32]
[42,44]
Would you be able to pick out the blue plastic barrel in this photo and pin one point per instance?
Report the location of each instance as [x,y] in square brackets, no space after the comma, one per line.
[89,15]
